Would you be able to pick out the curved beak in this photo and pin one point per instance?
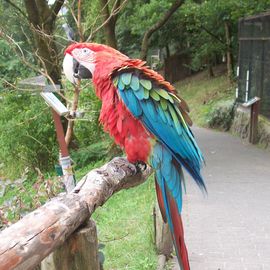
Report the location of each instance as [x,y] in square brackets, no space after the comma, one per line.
[75,71]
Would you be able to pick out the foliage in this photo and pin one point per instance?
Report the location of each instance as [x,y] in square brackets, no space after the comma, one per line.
[11,67]
[221,116]
[95,151]
[88,129]
[93,19]
[130,32]
[27,134]
[203,94]
[196,29]
[204,27]
[23,195]
[92,144]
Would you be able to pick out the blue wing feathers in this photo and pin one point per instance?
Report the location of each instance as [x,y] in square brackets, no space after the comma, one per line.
[149,109]
[161,114]
[166,172]
[134,105]
[135,83]
[121,85]
[164,120]
[126,78]
[139,93]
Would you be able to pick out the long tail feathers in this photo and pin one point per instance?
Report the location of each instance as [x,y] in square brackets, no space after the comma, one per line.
[175,223]
[178,234]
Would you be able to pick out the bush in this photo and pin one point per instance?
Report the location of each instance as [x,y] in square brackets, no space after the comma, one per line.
[221,115]
[88,130]
[27,134]
[93,152]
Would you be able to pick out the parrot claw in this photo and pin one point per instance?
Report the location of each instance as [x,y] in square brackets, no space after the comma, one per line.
[140,166]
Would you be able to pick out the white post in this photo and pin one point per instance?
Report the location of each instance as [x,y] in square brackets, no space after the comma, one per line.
[247,85]
[68,180]
[237,71]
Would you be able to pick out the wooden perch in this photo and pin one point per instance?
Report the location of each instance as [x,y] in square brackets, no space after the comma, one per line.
[25,243]
[79,252]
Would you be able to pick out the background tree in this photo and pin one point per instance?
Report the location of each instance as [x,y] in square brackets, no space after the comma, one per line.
[204,32]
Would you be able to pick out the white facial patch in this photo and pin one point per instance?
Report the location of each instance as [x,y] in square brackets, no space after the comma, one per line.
[85,57]
[68,68]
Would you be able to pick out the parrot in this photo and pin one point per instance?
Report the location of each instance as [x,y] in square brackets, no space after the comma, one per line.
[146,117]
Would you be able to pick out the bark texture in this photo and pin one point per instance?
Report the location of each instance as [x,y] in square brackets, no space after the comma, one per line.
[109,21]
[79,252]
[228,50]
[26,243]
[42,19]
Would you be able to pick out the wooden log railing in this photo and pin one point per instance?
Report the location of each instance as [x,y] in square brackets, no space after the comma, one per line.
[26,243]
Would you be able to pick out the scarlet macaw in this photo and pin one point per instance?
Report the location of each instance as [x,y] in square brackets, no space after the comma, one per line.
[143,114]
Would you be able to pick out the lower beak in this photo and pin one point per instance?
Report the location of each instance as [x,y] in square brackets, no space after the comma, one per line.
[80,71]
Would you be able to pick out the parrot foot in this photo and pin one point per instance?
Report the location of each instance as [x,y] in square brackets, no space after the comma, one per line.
[140,166]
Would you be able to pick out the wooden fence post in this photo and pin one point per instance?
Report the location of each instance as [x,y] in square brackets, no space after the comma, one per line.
[78,252]
[27,242]
[163,239]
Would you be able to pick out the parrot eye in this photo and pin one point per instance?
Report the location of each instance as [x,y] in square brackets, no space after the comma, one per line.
[85,51]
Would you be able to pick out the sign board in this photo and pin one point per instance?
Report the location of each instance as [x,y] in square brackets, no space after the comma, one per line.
[38,83]
[250,102]
[55,103]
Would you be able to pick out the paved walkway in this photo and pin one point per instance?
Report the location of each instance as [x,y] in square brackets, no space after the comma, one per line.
[230,228]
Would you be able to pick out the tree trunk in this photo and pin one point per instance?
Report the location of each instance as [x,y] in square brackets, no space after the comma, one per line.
[228,51]
[210,67]
[156,26]
[168,53]
[109,22]
[26,243]
[110,34]
[42,21]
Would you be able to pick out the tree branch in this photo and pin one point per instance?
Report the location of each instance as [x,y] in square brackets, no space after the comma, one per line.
[33,12]
[114,12]
[79,17]
[74,108]
[16,7]
[212,34]
[43,8]
[25,243]
[156,26]
[116,7]
[56,8]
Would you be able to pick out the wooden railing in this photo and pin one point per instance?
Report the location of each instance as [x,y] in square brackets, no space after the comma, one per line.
[61,228]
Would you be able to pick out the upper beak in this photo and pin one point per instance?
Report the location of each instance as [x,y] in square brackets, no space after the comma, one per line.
[75,71]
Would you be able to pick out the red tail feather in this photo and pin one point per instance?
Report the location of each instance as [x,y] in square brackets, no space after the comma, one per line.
[178,233]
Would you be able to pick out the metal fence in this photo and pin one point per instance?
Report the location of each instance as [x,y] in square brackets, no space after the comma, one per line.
[254,60]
